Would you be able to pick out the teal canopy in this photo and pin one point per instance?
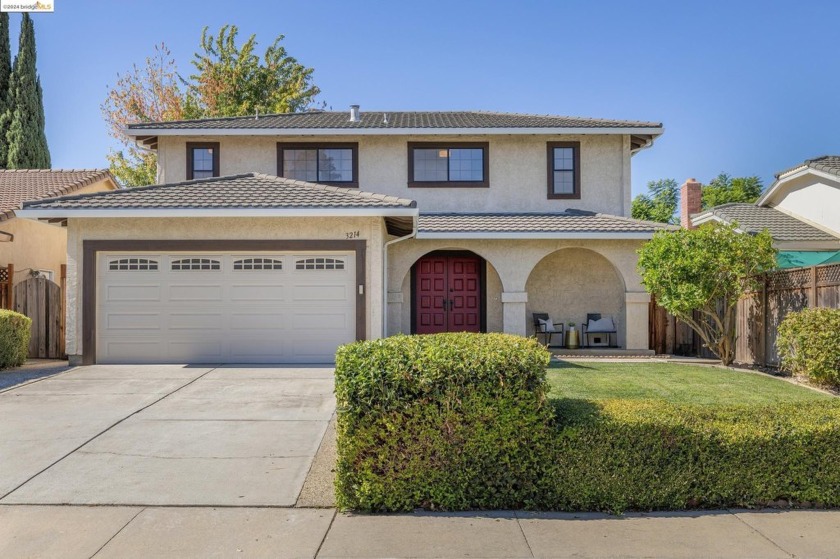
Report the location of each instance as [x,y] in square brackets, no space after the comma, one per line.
[801,258]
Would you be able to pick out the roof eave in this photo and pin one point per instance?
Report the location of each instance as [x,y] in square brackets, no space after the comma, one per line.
[149,132]
[65,213]
[500,235]
[789,176]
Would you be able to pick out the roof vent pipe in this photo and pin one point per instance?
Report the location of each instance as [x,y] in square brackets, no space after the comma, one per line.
[354,113]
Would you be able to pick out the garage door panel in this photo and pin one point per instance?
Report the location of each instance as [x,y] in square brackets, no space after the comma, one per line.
[259,320]
[309,293]
[198,321]
[217,308]
[133,321]
[132,350]
[132,293]
[194,292]
[257,293]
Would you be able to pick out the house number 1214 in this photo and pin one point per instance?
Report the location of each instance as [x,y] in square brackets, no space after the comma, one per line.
[352,234]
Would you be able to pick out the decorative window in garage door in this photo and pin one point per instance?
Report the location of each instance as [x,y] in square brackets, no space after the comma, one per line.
[184,264]
[319,263]
[258,264]
[126,264]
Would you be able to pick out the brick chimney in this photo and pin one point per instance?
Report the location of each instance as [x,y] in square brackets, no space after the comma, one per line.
[690,201]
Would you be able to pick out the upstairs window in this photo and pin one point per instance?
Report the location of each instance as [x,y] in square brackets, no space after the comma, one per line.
[329,163]
[202,160]
[450,165]
[564,170]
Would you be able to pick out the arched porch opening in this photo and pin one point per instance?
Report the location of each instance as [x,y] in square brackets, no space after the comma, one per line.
[570,283]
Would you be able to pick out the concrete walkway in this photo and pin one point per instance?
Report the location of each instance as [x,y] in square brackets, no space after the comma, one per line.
[125,532]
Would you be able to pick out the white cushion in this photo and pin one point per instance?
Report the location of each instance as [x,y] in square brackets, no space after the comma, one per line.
[603,325]
[546,325]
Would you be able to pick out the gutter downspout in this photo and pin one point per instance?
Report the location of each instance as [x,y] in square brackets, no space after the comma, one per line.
[413,234]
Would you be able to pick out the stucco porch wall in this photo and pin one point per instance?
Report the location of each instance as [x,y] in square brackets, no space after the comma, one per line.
[79,230]
[566,278]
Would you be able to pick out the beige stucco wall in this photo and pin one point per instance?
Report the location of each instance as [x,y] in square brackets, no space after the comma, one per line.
[616,290]
[370,229]
[518,169]
[38,245]
[813,198]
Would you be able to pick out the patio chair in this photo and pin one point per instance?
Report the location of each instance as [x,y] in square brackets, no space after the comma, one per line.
[545,326]
[598,327]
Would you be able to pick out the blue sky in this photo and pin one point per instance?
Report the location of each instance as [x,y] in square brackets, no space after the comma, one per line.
[741,86]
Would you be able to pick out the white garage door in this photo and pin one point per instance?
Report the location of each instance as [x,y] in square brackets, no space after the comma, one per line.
[224,308]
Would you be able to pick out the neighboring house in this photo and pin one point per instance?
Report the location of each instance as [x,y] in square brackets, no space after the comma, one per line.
[801,210]
[479,219]
[34,247]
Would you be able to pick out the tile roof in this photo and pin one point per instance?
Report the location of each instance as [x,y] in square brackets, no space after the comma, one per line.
[393,119]
[250,190]
[782,227]
[20,185]
[825,163]
[571,221]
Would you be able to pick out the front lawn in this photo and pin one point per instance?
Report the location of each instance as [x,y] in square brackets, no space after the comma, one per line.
[672,382]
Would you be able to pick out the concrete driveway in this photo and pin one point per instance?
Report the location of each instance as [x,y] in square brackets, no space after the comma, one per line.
[163,435]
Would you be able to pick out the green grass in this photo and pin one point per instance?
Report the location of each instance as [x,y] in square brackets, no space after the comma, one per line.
[672,382]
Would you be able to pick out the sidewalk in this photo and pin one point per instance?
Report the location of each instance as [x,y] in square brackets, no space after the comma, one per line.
[76,531]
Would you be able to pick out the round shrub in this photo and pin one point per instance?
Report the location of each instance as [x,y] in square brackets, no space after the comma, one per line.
[15,330]
[809,344]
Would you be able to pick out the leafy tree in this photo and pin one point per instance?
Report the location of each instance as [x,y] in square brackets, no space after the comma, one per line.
[724,189]
[150,93]
[229,81]
[233,81]
[5,76]
[26,138]
[659,204]
[708,270]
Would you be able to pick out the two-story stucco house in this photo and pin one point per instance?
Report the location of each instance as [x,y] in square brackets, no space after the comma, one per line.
[277,238]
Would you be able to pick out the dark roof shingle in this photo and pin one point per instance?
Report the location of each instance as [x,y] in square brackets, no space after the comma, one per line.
[393,119]
[251,190]
[21,185]
[754,219]
[567,222]
[825,163]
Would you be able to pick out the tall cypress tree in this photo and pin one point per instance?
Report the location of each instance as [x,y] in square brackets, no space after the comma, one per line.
[26,137]
[5,85]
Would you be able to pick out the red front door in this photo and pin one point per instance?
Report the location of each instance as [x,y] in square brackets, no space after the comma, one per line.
[447,294]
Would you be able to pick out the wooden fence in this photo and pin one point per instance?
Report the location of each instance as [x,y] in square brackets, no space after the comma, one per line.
[7,274]
[759,315]
[43,302]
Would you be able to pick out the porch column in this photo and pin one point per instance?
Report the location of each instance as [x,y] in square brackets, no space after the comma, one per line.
[637,306]
[394,310]
[513,312]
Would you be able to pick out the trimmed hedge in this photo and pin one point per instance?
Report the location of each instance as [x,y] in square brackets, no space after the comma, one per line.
[461,421]
[809,344]
[15,330]
[644,455]
[445,421]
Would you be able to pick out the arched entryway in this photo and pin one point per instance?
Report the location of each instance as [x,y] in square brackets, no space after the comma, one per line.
[572,282]
[448,292]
